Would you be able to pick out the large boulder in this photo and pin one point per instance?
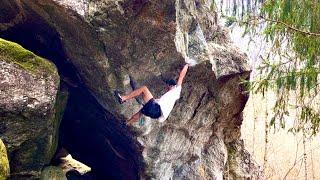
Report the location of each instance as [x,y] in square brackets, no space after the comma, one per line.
[113,43]
[4,163]
[150,41]
[29,120]
[52,172]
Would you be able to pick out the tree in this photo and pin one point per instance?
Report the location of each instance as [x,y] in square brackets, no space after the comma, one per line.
[291,66]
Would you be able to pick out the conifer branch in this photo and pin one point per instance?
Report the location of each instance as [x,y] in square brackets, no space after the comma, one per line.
[289,26]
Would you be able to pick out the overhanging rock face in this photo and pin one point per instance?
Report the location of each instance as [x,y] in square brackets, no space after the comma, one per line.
[152,39]
[113,42]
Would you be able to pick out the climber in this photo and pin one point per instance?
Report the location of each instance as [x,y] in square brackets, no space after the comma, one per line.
[156,108]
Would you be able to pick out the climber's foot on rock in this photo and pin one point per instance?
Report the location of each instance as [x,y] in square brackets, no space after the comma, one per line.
[118,96]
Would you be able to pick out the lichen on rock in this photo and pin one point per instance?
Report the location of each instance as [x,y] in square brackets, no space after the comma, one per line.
[240,164]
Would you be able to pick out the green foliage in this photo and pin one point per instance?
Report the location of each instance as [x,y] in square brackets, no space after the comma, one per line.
[294,23]
[230,20]
[12,52]
[292,65]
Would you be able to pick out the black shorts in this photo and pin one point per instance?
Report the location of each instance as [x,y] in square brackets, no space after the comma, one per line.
[151,109]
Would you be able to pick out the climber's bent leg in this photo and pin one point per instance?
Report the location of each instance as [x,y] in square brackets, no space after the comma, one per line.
[134,118]
[146,94]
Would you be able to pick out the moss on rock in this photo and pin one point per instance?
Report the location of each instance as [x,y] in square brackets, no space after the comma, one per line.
[13,52]
[4,163]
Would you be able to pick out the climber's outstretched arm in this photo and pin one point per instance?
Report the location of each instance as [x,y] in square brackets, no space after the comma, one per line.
[182,74]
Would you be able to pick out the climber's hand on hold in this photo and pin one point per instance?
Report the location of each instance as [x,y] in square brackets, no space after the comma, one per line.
[190,61]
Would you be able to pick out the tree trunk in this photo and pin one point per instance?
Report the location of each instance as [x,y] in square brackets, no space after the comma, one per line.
[265,157]
[304,155]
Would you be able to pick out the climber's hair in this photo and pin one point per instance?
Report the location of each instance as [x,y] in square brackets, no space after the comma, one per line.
[170,82]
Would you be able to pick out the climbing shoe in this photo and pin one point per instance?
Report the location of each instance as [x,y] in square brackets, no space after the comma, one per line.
[141,121]
[118,96]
